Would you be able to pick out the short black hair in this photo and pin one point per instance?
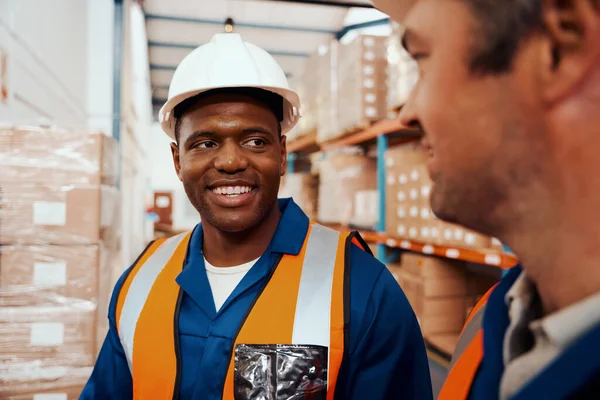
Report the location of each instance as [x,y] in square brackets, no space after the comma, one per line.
[270,99]
[502,26]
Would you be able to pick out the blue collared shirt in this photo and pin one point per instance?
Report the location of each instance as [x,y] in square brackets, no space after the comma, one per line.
[386,354]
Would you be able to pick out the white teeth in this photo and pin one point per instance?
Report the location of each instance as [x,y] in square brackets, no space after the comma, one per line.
[232,190]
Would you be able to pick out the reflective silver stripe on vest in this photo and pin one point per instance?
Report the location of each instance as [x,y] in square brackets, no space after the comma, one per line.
[312,320]
[468,334]
[139,290]
[313,307]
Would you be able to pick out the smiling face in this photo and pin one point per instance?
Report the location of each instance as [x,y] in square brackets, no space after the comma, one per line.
[230,158]
[483,130]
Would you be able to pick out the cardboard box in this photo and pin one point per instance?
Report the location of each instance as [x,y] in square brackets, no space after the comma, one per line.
[433,267]
[57,393]
[24,380]
[58,156]
[475,240]
[366,209]
[341,176]
[64,215]
[59,335]
[46,275]
[303,188]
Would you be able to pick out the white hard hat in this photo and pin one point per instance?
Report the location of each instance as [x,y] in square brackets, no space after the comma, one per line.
[396,9]
[228,62]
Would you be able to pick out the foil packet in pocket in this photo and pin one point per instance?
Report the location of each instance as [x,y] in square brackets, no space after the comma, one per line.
[280,372]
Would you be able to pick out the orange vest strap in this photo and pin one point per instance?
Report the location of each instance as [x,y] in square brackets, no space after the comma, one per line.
[459,381]
[146,321]
[481,303]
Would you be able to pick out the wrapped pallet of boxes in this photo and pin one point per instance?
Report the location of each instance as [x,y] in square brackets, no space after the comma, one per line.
[342,175]
[308,89]
[327,92]
[303,188]
[59,219]
[362,66]
[403,71]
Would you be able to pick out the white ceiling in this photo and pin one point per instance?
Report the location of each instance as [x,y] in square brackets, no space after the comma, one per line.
[289,30]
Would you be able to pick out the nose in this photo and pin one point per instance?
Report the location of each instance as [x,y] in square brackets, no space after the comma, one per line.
[230,158]
[408,113]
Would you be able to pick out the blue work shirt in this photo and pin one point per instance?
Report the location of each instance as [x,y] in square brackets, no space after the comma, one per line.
[574,374]
[386,354]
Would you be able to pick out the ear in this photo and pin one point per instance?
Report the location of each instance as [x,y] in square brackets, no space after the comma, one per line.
[573,28]
[176,159]
[283,165]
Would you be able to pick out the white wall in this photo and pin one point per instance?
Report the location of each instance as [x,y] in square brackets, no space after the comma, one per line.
[47,61]
[165,179]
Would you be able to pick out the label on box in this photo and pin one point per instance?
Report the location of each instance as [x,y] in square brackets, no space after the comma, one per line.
[370,98]
[50,274]
[425,191]
[389,162]
[459,234]
[403,179]
[369,83]
[371,112]
[425,232]
[369,70]
[401,230]
[369,56]
[47,334]
[401,212]
[50,213]
[390,179]
[470,239]
[414,175]
[369,41]
[414,212]
[413,232]
[425,213]
[448,234]
[50,396]
[435,233]
[414,194]
[401,195]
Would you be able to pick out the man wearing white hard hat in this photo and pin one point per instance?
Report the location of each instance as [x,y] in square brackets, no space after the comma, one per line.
[257,302]
[509,100]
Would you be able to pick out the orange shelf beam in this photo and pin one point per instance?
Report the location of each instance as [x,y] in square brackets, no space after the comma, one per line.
[486,257]
[383,127]
[303,142]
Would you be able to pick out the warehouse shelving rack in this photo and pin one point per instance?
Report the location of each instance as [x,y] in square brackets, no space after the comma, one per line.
[383,134]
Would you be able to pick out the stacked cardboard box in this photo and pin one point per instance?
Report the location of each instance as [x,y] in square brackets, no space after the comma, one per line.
[403,71]
[308,89]
[59,213]
[303,188]
[408,211]
[441,292]
[342,175]
[327,111]
[362,95]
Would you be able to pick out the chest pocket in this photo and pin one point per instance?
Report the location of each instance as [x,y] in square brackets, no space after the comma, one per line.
[280,372]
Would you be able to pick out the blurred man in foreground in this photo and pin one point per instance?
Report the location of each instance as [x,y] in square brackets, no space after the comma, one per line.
[509,100]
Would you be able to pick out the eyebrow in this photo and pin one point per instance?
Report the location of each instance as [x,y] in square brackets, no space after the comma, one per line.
[197,134]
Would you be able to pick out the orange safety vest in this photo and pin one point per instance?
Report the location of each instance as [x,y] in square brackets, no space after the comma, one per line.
[467,356]
[303,303]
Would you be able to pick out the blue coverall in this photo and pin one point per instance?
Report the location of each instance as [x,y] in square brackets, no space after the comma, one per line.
[387,358]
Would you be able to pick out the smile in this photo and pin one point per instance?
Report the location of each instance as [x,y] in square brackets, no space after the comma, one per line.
[231,191]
